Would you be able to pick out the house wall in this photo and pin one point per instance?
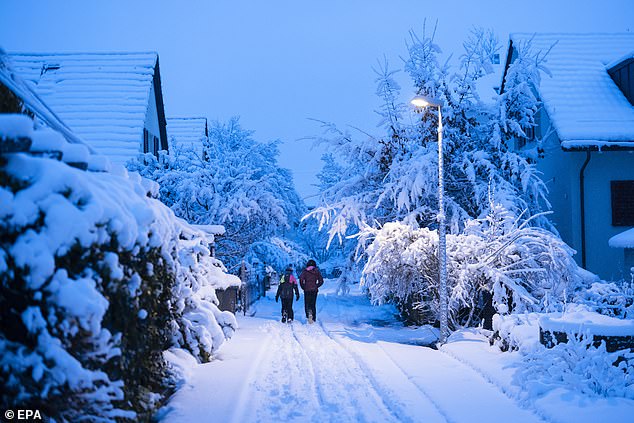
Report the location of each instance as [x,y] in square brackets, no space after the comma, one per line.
[561,172]
[151,119]
[603,168]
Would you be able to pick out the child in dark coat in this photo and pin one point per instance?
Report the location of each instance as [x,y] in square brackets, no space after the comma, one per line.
[285,289]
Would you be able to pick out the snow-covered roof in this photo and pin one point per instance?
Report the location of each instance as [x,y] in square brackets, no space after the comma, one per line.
[33,102]
[187,132]
[103,97]
[585,105]
[487,86]
[211,229]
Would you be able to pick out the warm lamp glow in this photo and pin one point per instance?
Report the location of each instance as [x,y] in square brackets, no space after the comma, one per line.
[419,102]
[422,101]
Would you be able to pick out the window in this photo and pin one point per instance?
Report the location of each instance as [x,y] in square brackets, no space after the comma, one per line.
[622,203]
[146,144]
[156,146]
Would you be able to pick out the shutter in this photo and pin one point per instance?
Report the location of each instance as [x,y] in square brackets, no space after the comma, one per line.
[622,203]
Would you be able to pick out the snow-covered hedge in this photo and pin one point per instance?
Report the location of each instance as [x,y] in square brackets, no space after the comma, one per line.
[525,268]
[578,365]
[97,279]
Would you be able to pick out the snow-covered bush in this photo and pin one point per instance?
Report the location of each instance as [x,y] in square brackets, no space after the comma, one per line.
[97,279]
[525,268]
[516,332]
[612,299]
[579,366]
[201,326]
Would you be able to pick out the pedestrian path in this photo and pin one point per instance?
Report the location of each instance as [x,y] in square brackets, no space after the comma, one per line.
[355,364]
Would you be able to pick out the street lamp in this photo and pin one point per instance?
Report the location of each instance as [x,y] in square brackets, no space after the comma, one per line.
[420,102]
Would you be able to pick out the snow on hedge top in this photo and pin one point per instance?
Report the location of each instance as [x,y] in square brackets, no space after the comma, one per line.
[580,320]
[585,105]
[15,126]
[187,133]
[103,97]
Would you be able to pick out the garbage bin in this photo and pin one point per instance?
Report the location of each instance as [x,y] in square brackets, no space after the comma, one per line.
[228,298]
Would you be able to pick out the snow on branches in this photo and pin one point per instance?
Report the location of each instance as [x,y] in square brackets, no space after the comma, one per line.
[236,183]
[394,177]
[525,268]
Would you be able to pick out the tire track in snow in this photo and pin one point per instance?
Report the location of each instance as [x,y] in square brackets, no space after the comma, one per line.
[281,391]
[403,413]
[341,380]
[316,383]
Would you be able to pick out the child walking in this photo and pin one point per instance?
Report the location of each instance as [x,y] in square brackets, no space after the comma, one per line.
[285,289]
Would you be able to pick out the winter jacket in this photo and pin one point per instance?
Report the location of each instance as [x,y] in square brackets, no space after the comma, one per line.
[310,280]
[285,289]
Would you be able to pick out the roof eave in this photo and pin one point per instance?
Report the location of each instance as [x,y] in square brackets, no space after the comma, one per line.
[601,147]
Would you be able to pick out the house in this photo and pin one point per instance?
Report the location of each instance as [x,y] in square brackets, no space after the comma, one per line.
[187,134]
[113,101]
[586,127]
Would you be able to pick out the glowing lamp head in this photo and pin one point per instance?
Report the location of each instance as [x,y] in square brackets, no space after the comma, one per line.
[422,101]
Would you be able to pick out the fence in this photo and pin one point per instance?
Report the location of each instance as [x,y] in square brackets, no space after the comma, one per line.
[252,288]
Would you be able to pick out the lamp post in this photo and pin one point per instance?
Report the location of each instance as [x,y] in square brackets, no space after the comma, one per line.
[420,102]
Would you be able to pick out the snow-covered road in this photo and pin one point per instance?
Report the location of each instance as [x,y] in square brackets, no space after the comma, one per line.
[356,364]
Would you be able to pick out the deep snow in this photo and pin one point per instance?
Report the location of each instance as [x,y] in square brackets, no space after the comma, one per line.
[358,363]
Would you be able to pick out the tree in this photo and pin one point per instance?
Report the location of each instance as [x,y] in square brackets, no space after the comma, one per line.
[238,184]
[394,176]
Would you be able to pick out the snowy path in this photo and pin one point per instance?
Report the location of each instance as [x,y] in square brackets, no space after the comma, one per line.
[357,364]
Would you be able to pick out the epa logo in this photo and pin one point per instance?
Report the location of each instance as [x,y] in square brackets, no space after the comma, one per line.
[23,415]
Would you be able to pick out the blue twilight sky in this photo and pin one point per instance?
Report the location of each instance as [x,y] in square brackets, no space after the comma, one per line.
[278,63]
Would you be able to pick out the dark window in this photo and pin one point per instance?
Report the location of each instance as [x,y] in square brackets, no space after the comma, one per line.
[156,146]
[622,203]
[146,144]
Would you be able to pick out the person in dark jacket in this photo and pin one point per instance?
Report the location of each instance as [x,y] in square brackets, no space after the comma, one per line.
[310,280]
[285,289]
